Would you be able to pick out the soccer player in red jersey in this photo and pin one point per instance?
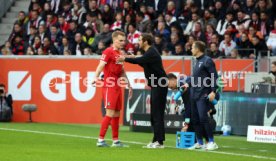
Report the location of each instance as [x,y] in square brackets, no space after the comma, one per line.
[112,94]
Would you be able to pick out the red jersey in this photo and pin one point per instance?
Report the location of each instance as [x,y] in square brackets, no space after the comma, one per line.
[112,69]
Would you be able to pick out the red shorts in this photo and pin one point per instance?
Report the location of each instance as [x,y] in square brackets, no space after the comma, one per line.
[112,98]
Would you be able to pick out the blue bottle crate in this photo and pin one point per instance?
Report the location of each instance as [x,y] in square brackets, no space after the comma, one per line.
[185,139]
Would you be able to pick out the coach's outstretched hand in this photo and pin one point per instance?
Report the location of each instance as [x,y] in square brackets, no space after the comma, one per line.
[121,58]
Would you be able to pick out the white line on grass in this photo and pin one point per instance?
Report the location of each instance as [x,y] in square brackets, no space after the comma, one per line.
[130,142]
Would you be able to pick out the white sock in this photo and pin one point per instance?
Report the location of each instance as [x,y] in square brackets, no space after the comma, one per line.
[100,140]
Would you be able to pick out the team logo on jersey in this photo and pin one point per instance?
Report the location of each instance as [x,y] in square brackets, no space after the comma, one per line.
[200,63]
[108,103]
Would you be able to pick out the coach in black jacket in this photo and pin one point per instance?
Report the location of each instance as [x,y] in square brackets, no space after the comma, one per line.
[203,85]
[157,79]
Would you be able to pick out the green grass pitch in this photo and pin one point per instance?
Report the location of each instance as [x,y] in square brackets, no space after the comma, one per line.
[71,142]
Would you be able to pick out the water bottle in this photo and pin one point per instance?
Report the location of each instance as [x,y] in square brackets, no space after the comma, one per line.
[214,102]
[178,94]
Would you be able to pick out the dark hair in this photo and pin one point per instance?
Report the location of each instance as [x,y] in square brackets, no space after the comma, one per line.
[171,76]
[274,63]
[200,45]
[147,37]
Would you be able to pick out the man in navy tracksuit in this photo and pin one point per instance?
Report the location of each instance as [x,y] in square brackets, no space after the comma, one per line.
[203,88]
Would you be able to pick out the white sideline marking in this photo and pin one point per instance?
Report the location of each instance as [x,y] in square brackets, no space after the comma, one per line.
[130,142]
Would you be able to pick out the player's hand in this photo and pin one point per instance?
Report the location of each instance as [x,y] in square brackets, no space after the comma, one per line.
[185,128]
[185,87]
[130,92]
[120,59]
[94,81]
[211,96]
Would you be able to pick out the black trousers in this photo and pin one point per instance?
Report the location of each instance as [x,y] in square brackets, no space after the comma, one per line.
[158,103]
[200,118]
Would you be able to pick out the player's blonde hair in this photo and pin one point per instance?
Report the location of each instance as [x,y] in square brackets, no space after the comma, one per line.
[115,34]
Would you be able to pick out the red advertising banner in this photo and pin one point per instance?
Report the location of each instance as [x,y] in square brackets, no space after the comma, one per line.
[58,86]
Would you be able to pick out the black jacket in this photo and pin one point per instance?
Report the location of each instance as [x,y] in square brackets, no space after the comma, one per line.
[152,63]
[204,71]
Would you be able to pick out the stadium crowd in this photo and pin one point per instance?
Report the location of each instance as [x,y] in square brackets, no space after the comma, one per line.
[84,27]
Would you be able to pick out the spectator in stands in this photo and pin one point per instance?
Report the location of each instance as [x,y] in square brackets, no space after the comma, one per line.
[215,39]
[107,14]
[224,22]
[87,51]
[179,50]
[48,47]
[4,51]
[105,37]
[171,9]
[73,29]
[46,10]
[96,24]
[63,25]
[78,12]
[252,32]
[65,45]
[191,25]
[227,45]
[36,6]
[101,48]
[143,24]
[37,43]
[243,18]
[79,45]
[249,7]
[204,4]
[161,30]
[88,36]
[159,42]
[7,48]
[198,33]
[35,20]
[92,7]
[259,46]
[40,51]
[219,10]
[30,51]
[22,20]
[66,10]
[42,32]
[255,21]
[271,42]
[173,41]
[166,52]
[264,6]
[18,45]
[209,18]
[118,23]
[241,30]
[67,53]
[30,38]
[133,35]
[55,35]
[51,20]
[244,46]
[214,52]
[17,30]
[128,19]
[265,25]
[234,54]
[188,45]
[127,8]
